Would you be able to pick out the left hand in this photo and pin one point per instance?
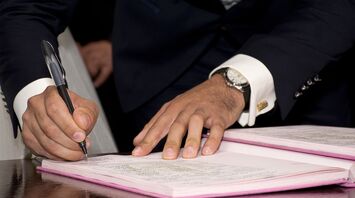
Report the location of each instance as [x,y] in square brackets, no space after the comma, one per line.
[212,105]
[97,56]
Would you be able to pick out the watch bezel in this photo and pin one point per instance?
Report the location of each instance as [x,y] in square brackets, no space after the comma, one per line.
[240,86]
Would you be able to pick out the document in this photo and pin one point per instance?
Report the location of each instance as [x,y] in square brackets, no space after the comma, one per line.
[236,169]
[321,140]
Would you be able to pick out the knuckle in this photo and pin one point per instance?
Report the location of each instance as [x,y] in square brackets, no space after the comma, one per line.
[52,108]
[49,89]
[49,146]
[31,102]
[26,117]
[180,121]
[178,97]
[50,130]
[196,117]
[52,148]
[178,126]
[183,117]
[219,122]
[191,141]
[165,118]
[171,144]
[213,139]
[147,126]
[166,104]
[27,138]
[153,137]
[173,106]
[69,129]
[146,143]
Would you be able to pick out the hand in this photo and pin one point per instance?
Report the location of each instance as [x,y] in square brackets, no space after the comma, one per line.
[50,130]
[211,104]
[98,59]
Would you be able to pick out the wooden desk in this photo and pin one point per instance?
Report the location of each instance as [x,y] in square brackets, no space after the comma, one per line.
[19,178]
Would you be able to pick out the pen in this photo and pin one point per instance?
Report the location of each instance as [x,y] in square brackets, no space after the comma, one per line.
[58,75]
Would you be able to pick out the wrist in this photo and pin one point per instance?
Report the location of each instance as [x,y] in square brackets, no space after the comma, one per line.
[236,97]
[235,80]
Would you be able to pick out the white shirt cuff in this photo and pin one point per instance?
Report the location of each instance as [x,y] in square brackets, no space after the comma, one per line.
[262,95]
[34,88]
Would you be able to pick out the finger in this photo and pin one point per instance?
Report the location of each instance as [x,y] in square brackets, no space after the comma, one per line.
[87,50]
[32,144]
[60,115]
[85,119]
[103,74]
[158,130]
[176,133]
[138,139]
[193,139]
[91,61]
[91,66]
[51,130]
[52,147]
[85,114]
[214,139]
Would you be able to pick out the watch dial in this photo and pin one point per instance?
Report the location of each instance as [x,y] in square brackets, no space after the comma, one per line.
[235,77]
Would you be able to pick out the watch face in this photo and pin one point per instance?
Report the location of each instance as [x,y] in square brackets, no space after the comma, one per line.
[235,77]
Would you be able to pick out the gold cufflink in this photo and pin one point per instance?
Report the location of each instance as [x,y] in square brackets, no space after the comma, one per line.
[261,105]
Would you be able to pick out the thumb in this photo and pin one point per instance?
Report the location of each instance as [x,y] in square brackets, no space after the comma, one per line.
[85,118]
[85,113]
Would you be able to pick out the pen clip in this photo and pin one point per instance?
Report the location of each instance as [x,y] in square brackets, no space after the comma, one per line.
[55,67]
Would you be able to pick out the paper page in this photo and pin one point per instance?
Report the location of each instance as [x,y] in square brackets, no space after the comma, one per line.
[221,168]
[337,136]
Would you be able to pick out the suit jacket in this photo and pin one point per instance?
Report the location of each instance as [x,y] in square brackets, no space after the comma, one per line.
[300,42]
[159,39]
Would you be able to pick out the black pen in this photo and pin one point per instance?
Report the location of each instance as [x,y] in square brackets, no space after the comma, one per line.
[58,75]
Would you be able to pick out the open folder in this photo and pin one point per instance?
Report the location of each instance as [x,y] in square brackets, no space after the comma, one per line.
[236,169]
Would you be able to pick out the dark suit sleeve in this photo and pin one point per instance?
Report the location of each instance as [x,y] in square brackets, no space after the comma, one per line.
[24,23]
[316,33]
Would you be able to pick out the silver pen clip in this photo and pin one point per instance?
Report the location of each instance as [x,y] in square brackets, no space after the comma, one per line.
[54,65]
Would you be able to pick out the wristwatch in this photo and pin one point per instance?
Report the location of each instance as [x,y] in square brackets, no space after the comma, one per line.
[236,80]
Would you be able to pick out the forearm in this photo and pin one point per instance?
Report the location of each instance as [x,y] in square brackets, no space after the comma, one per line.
[24,24]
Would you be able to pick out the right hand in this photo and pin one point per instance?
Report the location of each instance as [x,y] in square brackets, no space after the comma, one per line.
[50,130]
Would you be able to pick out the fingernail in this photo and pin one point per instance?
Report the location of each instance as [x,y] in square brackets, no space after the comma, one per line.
[137,151]
[78,136]
[207,151]
[169,154]
[189,152]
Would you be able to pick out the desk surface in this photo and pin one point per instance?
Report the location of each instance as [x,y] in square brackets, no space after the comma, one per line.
[19,178]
